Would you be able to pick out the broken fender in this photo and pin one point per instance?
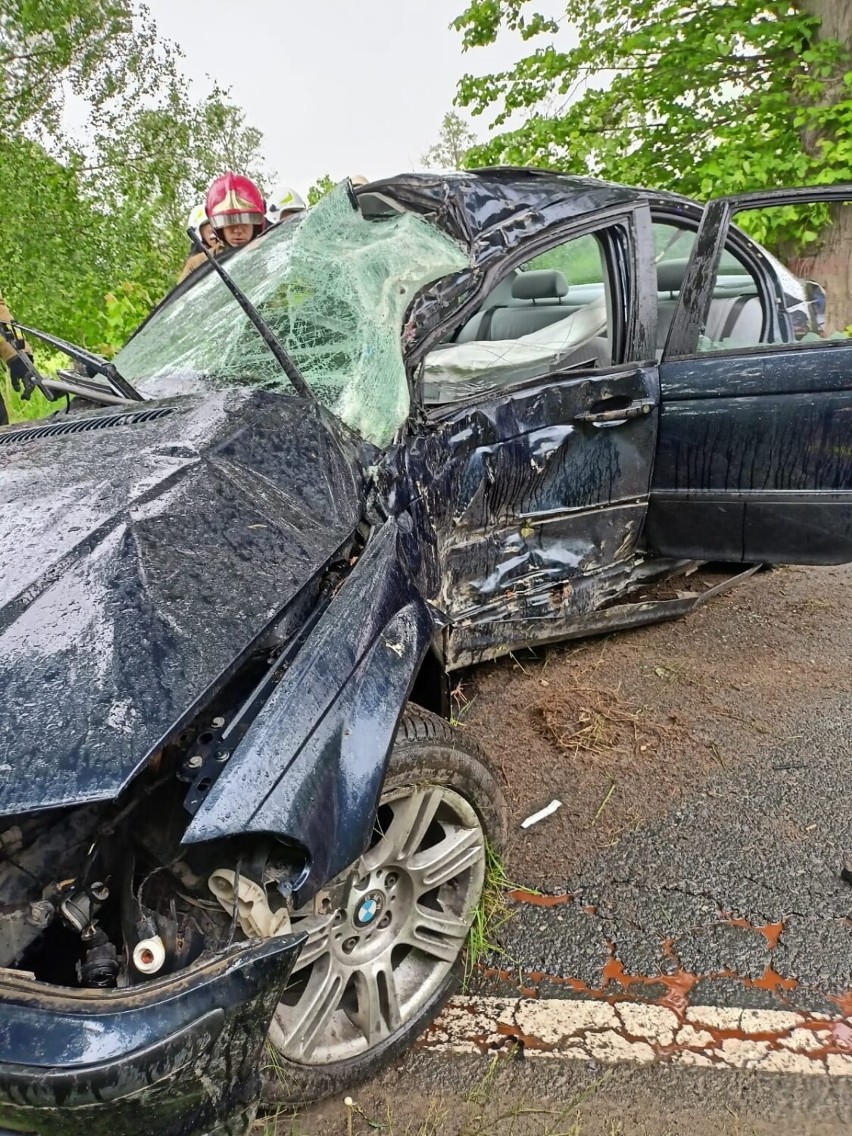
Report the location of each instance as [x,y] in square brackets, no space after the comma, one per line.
[311,766]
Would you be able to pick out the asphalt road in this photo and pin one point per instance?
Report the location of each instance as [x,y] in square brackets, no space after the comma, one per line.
[688,965]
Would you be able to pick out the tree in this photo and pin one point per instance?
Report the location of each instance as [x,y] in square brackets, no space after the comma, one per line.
[455,140]
[105,52]
[160,162]
[713,97]
[320,188]
[94,229]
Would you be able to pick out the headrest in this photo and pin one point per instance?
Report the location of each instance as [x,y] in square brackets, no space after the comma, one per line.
[670,275]
[539,284]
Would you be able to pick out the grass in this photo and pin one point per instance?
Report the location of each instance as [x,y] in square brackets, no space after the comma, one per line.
[603,804]
[20,410]
[485,1110]
[586,720]
[272,1124]
[460,705]
[275,1072]
[37,406]
[492,913]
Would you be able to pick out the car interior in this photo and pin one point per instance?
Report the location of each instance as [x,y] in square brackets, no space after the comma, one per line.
[735,318]
[537,321]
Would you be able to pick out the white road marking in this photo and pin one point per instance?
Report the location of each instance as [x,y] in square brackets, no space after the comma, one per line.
[773,1041]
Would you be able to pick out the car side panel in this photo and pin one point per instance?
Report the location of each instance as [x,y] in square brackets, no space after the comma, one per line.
[536,509]
[754,459]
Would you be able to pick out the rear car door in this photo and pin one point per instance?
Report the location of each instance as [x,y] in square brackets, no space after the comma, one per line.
[754,454]
[542,415]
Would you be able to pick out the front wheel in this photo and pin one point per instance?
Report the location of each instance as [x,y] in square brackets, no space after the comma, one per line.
[378,967]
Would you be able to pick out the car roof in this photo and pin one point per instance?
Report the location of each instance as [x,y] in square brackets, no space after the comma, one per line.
[496,208]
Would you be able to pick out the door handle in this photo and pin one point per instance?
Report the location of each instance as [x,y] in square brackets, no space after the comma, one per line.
[618,413]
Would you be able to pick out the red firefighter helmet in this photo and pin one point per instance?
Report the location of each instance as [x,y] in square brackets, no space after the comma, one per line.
[235,200]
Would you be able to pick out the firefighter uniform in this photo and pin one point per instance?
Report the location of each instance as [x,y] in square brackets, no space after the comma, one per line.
[6,352]
[9,356]
[196,260]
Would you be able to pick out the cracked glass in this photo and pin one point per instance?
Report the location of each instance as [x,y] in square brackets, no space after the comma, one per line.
[333,286]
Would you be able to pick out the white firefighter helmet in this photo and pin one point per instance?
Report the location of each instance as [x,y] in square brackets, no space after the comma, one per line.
[283,200]
[197,217]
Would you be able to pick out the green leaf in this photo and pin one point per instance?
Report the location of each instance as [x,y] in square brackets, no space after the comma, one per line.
[709,98]
[95,230]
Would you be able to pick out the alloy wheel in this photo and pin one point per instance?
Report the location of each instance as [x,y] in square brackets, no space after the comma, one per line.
[398,925]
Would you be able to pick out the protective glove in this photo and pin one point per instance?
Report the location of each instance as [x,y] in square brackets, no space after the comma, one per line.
[18,371]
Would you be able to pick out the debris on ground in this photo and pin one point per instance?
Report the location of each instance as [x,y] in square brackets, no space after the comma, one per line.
[547,811]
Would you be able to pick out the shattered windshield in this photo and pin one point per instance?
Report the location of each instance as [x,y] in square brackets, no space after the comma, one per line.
[334,288]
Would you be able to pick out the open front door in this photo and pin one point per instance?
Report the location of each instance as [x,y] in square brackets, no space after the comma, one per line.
[754,456]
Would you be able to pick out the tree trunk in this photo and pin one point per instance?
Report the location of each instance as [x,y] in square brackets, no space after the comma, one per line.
[831,266]
[835,17]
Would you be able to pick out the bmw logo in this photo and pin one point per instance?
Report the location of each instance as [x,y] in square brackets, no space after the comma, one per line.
[369,908]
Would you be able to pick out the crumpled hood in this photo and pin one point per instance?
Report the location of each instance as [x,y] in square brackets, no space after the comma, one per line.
[138,562]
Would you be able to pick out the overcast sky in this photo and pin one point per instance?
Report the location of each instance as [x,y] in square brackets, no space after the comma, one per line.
[336,86]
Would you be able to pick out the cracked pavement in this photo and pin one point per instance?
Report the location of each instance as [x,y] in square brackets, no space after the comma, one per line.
[730,884]
[678,956]
[711,890]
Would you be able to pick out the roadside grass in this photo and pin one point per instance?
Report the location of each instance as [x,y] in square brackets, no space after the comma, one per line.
[492,913]
[460,705]
[482,1111]
[22,411]
[275,1073]
[37,406]
[585,720]
[274,1124]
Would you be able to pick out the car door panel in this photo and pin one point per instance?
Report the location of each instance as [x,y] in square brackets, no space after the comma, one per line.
[754,457]
[543,492]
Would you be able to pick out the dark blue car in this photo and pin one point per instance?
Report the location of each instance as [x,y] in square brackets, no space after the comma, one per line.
[460,416]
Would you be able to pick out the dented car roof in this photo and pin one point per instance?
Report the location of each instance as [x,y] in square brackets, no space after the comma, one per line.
[492,210]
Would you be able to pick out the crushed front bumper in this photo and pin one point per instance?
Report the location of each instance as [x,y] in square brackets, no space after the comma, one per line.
[174,1057]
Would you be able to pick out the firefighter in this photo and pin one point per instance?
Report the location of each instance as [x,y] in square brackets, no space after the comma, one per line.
[236,213]
[17,370]
[235,209]
[199,223]
[203,230]
[283,202]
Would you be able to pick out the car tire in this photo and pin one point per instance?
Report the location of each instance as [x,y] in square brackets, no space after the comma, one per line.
[427,752]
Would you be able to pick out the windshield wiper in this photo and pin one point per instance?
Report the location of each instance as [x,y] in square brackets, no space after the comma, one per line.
[95,364]
[297,379]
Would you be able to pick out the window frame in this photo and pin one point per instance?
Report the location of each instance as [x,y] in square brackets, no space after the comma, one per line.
[716,230]
[746,251]
[624,234]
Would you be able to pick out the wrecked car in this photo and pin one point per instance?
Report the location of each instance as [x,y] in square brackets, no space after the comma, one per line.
[434,420]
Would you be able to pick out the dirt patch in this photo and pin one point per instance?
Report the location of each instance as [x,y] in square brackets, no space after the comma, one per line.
[509,1095]
[619,729]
